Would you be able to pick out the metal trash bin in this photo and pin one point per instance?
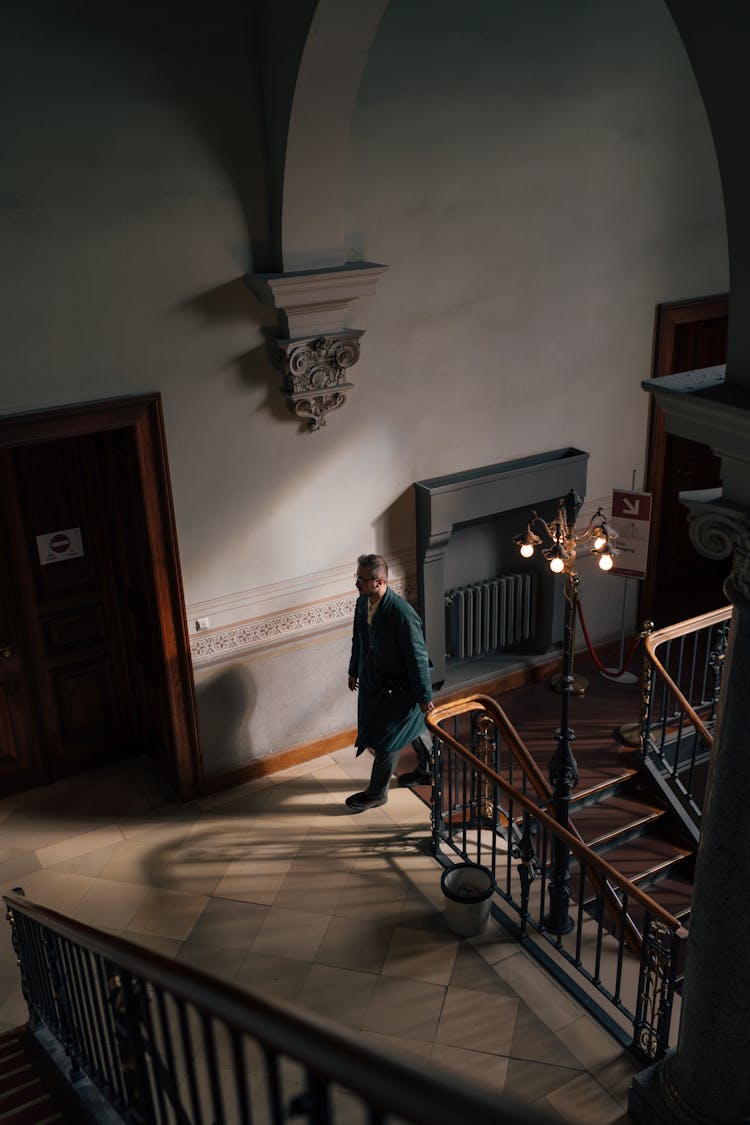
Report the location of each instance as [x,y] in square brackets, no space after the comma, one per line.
[468,889]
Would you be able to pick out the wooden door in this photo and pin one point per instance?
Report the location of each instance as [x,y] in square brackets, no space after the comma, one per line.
[70,603]
[681,583]
[97,661]
[19,742]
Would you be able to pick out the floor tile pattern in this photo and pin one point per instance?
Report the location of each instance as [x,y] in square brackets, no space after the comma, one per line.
[276,886]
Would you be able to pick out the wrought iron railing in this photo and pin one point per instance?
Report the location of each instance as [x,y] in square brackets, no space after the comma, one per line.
[163,1042]
[489,808]
[681,686]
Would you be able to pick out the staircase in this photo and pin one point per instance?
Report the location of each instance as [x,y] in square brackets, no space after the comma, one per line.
[615,807]
[29,1090]
[626,823]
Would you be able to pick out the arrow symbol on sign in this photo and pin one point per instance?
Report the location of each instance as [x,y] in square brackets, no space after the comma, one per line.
[630,507]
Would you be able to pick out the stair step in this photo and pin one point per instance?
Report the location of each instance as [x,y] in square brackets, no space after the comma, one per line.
[35,1115]
[597,780]
[612,817]
[10,1044]
[28,1095]
[15,1075]
[646,856]
[674,893]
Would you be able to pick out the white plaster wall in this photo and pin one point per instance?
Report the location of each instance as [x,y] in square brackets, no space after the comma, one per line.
[536,177]
[276,698]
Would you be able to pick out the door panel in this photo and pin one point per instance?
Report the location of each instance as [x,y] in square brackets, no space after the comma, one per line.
[86,699]
[19,748]
[80,672]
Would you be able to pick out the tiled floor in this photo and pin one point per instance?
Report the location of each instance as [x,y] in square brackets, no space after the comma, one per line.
[278,887]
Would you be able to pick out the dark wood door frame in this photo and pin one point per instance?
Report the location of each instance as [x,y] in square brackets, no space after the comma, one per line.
[141,414]
[672,319]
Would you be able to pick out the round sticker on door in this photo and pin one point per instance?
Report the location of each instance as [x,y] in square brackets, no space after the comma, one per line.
[59,543]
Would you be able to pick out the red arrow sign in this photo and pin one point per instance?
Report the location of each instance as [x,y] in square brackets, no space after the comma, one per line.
[631,512]
[631,505]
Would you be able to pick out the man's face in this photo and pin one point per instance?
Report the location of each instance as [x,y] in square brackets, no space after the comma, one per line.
[366,583]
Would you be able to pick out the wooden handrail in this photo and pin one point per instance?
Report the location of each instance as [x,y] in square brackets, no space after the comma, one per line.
[583,852]
[468,704]
[543,788]
[392,1085]
[670,633]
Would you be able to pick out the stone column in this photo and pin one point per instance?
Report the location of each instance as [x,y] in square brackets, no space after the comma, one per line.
[706,1079]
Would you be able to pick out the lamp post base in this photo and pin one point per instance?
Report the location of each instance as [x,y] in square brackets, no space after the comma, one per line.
[560,927]
[630,734]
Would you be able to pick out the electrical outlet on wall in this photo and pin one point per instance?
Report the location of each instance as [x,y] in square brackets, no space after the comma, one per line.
[201,624]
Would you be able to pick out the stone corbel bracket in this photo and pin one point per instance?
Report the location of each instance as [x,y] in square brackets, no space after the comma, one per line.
[315,373]
[316,347]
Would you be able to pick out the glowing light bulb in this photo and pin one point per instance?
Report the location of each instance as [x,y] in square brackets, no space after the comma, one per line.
[606,562]
[527,550]
[557,566]
[600,541]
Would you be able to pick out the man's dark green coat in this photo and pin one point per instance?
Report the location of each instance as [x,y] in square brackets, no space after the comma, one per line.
[390,660]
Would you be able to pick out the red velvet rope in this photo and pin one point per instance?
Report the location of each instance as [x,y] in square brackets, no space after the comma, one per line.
[597,661]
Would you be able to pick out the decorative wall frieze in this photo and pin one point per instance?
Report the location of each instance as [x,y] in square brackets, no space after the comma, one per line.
[314,372]
[296,623]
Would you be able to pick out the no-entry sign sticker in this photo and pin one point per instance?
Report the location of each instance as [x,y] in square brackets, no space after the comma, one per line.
[57,546]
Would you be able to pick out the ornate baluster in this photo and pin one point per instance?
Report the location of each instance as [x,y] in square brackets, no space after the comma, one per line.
[484,748]
[437,819]
[528,868]
[716,663]
[656,988]
[647,684]
[16,943]
[131,1051]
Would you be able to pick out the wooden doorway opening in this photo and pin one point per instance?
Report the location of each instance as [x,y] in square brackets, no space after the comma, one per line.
[94,649]
[679,582]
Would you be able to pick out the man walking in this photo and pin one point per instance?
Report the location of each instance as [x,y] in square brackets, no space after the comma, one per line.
[390,666]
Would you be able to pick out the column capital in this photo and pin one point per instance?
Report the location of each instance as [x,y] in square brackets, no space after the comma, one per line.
[315,373]
[721,528]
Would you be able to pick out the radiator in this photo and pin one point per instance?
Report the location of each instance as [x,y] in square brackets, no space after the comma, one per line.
[490,615]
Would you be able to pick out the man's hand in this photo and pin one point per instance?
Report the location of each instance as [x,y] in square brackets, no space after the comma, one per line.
[425,707]
[353,683]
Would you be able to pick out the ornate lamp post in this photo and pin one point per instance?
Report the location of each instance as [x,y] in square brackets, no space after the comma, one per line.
[564,541]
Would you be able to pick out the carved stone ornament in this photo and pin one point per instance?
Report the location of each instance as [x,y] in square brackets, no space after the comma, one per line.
[719,528]
[315,373]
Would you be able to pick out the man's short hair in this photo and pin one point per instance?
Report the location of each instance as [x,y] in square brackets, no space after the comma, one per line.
[376,564]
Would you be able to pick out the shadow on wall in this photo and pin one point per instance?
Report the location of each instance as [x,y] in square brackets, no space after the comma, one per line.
[226,703]
[396,529]
[209,68]
[235,303]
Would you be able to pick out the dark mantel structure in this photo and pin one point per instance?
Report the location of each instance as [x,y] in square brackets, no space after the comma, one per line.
[497,499]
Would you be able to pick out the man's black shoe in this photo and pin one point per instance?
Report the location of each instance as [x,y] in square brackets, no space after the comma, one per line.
[415,777]
[358,802]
